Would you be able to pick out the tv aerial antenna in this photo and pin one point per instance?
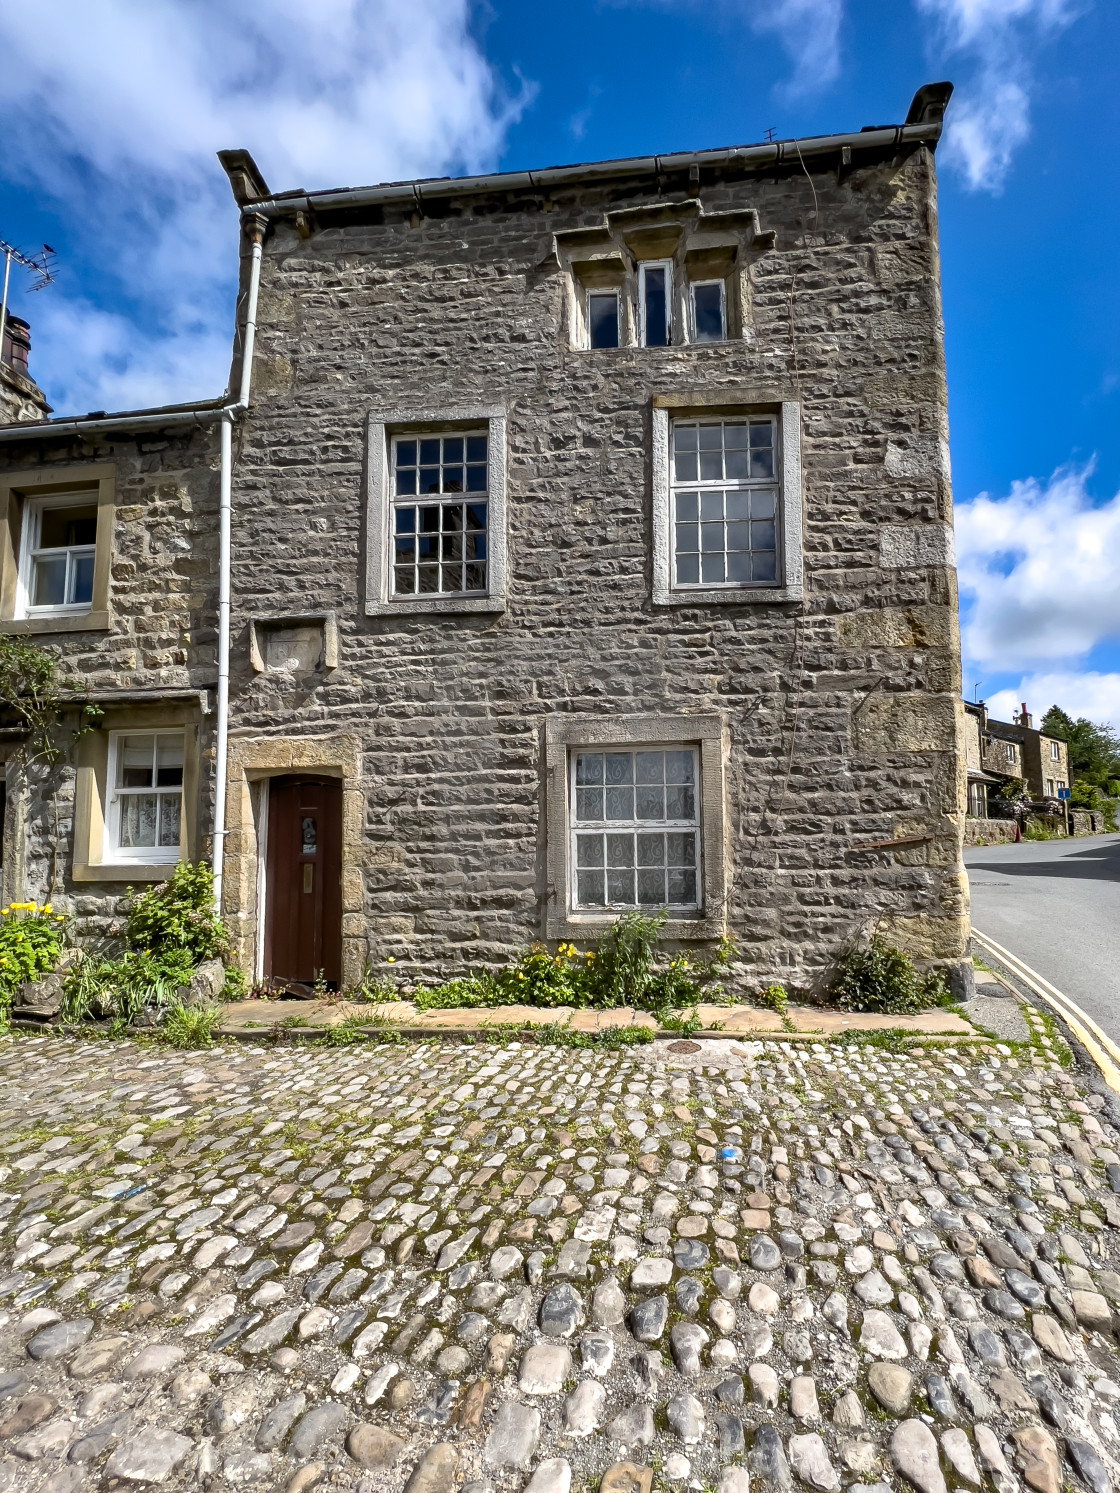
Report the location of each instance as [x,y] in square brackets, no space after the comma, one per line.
[41,265]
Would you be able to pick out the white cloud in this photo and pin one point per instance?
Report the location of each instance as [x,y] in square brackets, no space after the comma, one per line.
[1094,696]
[116,109]
[990,117]
[809,32]
[1037,572]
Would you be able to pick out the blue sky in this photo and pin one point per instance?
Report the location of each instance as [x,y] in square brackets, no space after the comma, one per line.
[119,105]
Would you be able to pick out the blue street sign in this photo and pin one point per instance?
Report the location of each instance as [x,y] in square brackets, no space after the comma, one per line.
[1063,793]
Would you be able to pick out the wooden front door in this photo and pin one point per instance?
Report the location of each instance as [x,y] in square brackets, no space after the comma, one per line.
[303,894]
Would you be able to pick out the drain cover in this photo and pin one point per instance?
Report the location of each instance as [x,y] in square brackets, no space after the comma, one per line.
[684,1047]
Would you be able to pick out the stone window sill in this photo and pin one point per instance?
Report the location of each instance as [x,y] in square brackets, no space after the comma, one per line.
[127,871]
[70,622]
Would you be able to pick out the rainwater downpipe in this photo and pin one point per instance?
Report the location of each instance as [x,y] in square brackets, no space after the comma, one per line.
[255,227]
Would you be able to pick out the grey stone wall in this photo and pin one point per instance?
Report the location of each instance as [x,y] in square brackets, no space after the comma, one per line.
[842,712]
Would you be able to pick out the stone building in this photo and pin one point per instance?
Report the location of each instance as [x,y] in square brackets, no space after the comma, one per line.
[590,549]
[997,752]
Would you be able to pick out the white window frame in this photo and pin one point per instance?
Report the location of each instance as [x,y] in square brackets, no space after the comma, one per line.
[643,268]
[708,735]
[29,549]
[1009,751]
[148,855]
[383,428]
[789,583]
[634,826]
[601,290]
[694,286]
[439,500]
[1055,751]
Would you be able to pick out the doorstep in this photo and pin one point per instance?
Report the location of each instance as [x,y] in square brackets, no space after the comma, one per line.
[260,1018]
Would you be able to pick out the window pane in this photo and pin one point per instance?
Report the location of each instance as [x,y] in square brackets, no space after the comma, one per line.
[589,850]
[707,304]
[81,579]
[453,479]
[63,528]
[406,481]
[711,466]
[169,815]
[620,803]
[135,761]
[656,307]
[620,887]
[649,767]
[476,479]
[452,449]
[476,517]
[589,803]
[682,889]
[711,569]
[651,888]
[763,536]
[688,538]
[736,465]
[169,761]
[680,848]
[650,803]
[138,820]
[589,767]
[620,850]
[688,570]
[404,580]
[429,520]
[680,803]
[452,547]
[651,850]
[476,578]
[429,579]
[406,520]
[619,767]
[686,466]
[711,505]
[429,452]
[711,537]
[429,479]
[688,507]
[589,889]
[762,453]
[739,566]
[764,567]
[602,319]
[680,767]
[48,582]
[738,504]
[739,536]
[763,504]
[711,437]
[451,578]
[406,454]
[476,448]
[684,437]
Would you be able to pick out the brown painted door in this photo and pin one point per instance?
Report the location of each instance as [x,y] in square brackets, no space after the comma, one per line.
[303,896]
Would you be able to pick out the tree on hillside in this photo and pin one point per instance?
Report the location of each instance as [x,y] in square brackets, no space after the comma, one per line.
[1094,755]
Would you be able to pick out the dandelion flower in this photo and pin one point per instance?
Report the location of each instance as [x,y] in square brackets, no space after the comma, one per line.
[390,960]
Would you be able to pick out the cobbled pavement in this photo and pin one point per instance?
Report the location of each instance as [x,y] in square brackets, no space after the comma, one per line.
[444,1266]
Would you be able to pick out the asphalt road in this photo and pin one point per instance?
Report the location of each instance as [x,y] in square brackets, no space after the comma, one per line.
[1056,904]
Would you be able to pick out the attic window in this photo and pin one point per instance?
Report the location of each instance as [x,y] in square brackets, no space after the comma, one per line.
[655,296]
[602,318]
[709,311]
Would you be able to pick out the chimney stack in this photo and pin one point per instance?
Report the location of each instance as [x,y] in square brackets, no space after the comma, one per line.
[20,397]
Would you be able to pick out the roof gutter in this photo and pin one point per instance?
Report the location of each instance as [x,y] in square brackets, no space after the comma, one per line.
[781,152]
[38,429]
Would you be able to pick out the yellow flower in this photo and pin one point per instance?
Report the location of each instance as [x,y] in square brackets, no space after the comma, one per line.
[390,960]
[47,907]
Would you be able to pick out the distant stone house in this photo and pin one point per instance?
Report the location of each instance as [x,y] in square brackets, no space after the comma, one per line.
[999,752]
[589,550]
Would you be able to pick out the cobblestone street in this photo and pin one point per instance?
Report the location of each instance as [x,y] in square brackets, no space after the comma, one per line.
[499,1267]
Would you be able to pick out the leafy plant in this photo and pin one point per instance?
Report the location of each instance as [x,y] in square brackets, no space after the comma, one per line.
[177,916]
[31,940]
[31,689]
[122,987]
[878,977]
[774,998]
[190,1026]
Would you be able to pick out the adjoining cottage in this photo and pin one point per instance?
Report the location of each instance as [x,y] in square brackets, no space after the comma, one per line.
[589,550]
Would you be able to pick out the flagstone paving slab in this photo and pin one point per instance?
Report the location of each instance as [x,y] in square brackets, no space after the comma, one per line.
[511,1266]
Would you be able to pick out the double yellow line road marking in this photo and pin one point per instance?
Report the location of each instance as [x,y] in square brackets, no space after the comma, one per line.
[1097,1043]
